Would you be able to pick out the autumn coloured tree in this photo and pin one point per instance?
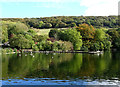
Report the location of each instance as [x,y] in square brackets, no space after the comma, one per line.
[86,31]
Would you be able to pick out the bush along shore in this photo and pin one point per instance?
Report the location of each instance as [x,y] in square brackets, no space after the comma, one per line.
[18,37]
[12,51]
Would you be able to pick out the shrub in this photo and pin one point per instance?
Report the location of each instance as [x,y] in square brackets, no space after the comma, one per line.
[8,50]
[107,45]
[31,32]
[3,50]
[39,38]
[48,46]
[84,48]
[55,46]
[11,50]
[35,47]
[15,50]
[54,33]
[40,46]
[67,46]
[94,46]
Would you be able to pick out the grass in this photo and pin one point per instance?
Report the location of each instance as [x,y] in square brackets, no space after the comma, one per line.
[42,31]
[46,31]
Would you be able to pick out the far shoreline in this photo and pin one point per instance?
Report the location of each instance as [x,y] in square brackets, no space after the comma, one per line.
[47,52]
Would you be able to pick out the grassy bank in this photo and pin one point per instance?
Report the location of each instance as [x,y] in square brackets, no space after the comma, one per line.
[42,31]
[45,31]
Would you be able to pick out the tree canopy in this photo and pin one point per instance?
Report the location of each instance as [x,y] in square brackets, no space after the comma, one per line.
[68,21]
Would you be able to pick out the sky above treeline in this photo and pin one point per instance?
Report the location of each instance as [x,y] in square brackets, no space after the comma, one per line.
[48,8]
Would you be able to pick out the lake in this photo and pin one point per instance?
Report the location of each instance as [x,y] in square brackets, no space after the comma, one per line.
[61,69]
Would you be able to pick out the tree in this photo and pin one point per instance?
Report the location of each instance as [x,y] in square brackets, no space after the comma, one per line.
[99,35]
[55,46]
[41,24]
[31,32]
[96,21]
[19,41]
[86,31]
[62,25]
[54,33]
[73,24]
[39,38]
[18,28]
[95,47]
[107,44]
[48,46]
[48,25]
[73,36]
[4,33]
[115,37]
[35,47]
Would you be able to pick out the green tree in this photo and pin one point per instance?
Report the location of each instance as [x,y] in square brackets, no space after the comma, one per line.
[4,35]
[35,47]
[115,37]
[20,41]
[39,38]
[73,24]
[62,25]
[48,25]
[54,33]
[18,28]
[99,35]
[95,47]
[73,36]
[55,46]
[107,44]
[41,24]
[31,32]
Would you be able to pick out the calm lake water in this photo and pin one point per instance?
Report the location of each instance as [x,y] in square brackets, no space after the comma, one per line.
[61,69]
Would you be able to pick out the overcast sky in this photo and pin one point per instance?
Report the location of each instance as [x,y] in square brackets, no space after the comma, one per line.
[47,8]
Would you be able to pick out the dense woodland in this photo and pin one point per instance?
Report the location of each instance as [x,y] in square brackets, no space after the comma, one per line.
[86,33]
[68,21]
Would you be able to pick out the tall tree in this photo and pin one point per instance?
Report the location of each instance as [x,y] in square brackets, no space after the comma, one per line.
[86,31]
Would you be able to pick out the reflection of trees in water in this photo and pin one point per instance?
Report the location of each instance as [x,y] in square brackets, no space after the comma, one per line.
[5,62]
[14,65]
[73,65]
[94,65]
[47,62]
[67,68]
[17,65]
[43,61]
[62,65]
[103,63]
[88,66]
[114,67]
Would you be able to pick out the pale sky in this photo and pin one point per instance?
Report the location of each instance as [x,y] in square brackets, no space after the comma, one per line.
[47,8]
